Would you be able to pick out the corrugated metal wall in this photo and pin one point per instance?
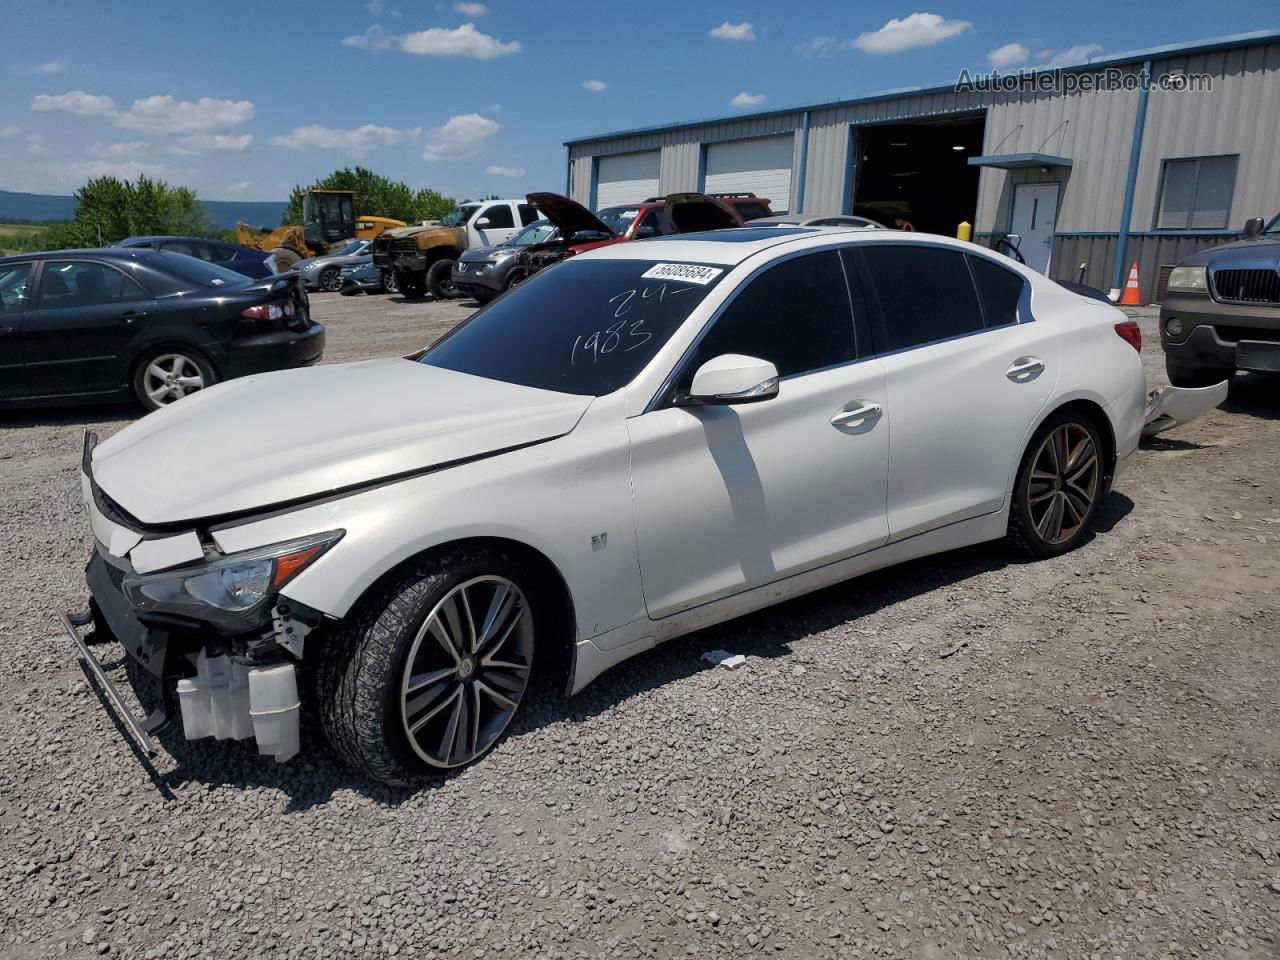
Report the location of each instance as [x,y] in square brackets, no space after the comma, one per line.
[1241,115]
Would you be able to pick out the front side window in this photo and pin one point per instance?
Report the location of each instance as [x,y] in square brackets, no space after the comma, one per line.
[14,281]
[499,216]
[925,294]
[999,289]
[1196,194]
[583,326]
[796,315]
[81,283]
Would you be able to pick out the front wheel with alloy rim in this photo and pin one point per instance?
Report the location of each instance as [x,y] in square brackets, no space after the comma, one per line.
[168,374]
[1060,482]
[330,280]
[389,284]
[427,672]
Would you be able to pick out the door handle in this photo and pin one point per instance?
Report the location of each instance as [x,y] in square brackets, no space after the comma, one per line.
[1024,369]
[130,316]
[865,410]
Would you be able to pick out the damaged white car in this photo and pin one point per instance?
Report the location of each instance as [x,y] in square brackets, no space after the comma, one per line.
[640,441]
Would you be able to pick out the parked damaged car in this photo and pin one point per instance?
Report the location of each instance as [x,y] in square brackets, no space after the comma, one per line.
[366,278]
[580,230]
[616,452]
[486,272]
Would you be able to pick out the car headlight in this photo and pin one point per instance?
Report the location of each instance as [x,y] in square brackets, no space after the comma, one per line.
[1189,280]
[232,593]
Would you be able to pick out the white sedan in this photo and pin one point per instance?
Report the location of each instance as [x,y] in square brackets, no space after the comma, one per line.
[644,440]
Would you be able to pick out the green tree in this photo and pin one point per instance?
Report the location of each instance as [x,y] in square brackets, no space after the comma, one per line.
[430,205]
[109,209]
[375,196]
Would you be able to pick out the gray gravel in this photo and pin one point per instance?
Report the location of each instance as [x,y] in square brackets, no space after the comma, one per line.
[968,756]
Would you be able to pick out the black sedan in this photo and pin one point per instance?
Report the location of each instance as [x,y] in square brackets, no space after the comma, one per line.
[81,326]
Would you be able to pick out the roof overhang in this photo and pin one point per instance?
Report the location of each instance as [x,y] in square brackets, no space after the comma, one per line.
[1019,161]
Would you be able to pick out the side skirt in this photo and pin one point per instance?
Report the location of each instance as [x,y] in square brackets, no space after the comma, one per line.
[598,654]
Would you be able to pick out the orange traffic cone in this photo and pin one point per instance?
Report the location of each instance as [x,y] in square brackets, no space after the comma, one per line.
[1130,298]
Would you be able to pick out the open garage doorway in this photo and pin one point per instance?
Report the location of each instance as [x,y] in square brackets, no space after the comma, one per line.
[918,171]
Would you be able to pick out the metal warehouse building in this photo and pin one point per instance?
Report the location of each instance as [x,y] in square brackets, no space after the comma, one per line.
[1145,156]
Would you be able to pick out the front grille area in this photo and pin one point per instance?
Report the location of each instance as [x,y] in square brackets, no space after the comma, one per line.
[402,245]
[1247,286]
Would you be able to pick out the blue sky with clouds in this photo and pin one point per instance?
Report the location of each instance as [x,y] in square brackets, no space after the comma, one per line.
[242,101]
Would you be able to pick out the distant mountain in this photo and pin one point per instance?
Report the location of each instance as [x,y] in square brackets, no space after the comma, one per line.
[225,213]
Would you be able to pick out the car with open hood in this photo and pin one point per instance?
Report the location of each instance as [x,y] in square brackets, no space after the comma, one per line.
[485,272]
[647,439]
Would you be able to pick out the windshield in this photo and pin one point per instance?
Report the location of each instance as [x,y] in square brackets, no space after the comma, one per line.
[618,219]
[199,272]
[583,326]
[1273,228]
[459,215]
[540,231]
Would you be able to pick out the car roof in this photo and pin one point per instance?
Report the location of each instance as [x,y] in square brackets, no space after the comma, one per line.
[168,237]
[733,245]
[104,253]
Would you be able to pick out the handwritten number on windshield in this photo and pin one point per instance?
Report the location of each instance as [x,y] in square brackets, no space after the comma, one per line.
[600,343]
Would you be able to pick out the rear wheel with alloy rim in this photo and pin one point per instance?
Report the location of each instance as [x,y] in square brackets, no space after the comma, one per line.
[1060,481]
[428,671]
[167,375]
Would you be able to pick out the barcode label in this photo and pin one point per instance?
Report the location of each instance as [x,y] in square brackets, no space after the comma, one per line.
[688,272]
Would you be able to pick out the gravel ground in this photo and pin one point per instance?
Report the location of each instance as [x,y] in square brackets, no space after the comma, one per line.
[967,756]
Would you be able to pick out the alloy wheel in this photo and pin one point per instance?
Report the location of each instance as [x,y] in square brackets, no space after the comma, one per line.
[467,671]
[170,377]
[330,280]
[1064,483]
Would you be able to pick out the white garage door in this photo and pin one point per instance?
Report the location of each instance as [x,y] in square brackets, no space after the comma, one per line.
[627,178]
[761,166]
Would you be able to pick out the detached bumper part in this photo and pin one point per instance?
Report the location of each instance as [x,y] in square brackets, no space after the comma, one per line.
[135,728]
[228,700]
[1173,406]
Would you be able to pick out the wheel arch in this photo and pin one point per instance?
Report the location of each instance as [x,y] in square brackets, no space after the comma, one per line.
[558,617]
[169,342]
[1088,406]
[442,252]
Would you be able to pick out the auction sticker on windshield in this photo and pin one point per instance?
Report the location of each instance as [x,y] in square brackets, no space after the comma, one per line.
[688,272]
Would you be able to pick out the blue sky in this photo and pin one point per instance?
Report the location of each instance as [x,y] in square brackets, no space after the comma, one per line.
[242,101]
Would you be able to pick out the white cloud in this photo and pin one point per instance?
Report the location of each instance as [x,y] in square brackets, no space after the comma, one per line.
[239,187]
[1062,58]
[158,114]
[494,170]
[745,99]
[117,149]
[356,142]
[8,132]
[820,46]
[79,102]
[37,149]
[463,41]
[201,142]
[912,31]
[733,31]
[462,136]
[53,66]
[471,9]
[124,169]
[1009,55]
[595,86]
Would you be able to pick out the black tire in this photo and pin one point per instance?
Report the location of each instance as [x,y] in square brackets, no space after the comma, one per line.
[389,282]
[1183,374]
[330,281]
[1034,497]
[484,297]
[411,284]
[286,258]
[517,276]
[440,280]
[361,668]
[178,357]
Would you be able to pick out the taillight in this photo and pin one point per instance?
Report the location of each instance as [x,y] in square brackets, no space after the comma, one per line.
[1130,333]
[270,311]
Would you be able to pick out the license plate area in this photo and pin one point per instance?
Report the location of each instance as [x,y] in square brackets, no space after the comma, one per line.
[1258,355]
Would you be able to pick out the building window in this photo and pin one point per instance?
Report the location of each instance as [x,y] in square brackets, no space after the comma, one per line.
[1195,194]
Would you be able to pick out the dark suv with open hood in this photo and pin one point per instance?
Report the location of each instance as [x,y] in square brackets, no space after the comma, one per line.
[1221,312]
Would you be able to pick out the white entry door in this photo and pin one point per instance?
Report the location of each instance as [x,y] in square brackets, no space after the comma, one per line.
[1035,211]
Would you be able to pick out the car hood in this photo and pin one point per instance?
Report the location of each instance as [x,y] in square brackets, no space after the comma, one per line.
[569,216]
[496,252]
[1242,255]
[265,441]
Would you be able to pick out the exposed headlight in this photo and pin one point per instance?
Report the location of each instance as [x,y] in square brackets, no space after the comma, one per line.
[1189,280]
[481,267]
[1173,326]
[232,593]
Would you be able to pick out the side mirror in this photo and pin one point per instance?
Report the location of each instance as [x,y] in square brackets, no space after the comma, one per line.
[733,378]
[1253,228]
[484,222]
[646,230]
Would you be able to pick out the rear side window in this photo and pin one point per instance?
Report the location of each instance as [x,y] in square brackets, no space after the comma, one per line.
[998,289]
[925,294]
[198,273]
[795,315]
[528,214]
[499,217]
